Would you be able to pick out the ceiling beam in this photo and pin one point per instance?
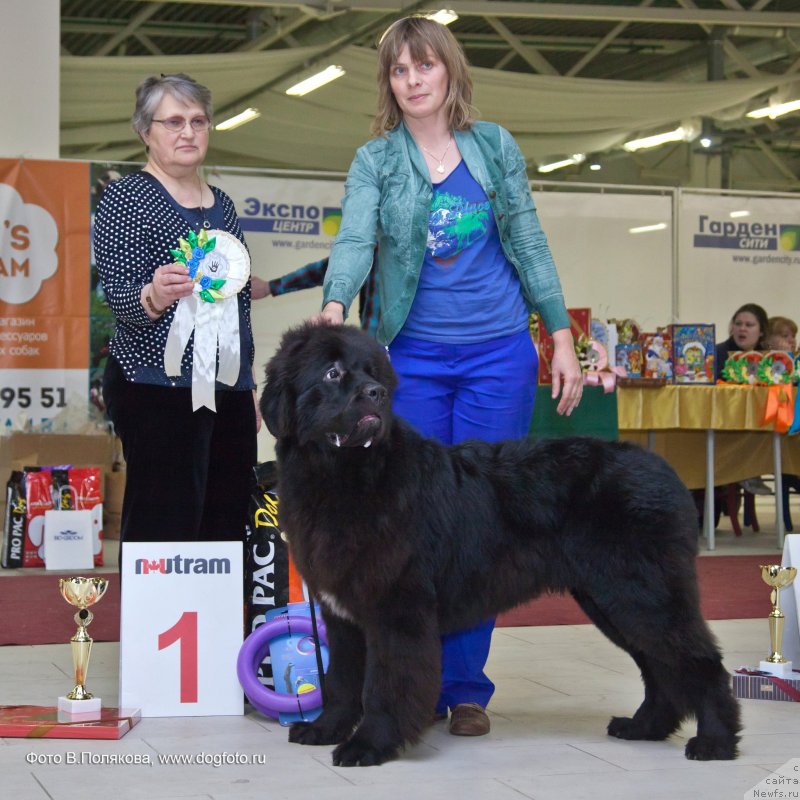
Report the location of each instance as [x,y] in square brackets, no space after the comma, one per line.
[613,34]
[529,54]
[557,11]
[128,30]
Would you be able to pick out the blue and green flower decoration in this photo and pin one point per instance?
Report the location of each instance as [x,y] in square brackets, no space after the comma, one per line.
[192,251]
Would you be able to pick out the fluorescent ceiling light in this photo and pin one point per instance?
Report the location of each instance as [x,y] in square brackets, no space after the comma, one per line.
[777,110]
[659,226]
[577,158]
[444,16]
[327,75]
[681,134]
[248,115]
[594,166]
[736,214]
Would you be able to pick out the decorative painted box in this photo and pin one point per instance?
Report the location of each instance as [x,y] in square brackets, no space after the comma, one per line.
[693,349]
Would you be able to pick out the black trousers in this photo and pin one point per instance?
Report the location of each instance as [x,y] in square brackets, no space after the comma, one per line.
[189,473]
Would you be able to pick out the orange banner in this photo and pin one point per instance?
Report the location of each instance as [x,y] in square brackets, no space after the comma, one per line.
[44,265]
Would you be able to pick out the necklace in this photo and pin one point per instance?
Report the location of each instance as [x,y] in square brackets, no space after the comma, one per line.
[206,223]
[440,167]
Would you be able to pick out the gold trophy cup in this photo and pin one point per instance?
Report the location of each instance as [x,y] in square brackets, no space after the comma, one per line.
[81,592]
[777,577]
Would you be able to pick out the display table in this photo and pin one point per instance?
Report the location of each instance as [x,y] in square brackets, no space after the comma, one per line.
[682,423]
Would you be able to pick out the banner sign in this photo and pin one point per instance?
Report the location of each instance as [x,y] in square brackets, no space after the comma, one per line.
[44,289]
[734,250]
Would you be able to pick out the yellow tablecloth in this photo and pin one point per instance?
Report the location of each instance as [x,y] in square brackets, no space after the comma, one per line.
[678,417]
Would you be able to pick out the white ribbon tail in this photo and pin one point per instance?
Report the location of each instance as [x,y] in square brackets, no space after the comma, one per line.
[204,362]
[179,332]
[229,360]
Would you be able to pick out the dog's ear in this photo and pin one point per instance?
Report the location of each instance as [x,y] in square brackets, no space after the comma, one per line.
[277,403]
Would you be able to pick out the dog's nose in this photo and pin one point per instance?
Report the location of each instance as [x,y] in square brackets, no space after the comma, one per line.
[374,391]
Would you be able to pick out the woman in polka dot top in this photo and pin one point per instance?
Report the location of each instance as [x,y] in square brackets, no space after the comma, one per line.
[188,473]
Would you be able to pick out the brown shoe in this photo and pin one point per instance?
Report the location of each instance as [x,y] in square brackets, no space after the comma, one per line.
[469,719]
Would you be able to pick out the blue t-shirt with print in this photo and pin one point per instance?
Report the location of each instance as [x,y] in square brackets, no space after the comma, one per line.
[468,290]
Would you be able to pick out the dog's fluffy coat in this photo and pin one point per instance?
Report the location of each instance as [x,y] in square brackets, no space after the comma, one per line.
[403,539]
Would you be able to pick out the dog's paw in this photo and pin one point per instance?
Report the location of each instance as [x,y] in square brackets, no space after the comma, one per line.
[709,748]
[358,753]
[310,733]
[636,730]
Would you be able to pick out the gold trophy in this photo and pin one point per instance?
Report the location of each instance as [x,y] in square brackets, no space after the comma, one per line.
[778,578]
[81,592]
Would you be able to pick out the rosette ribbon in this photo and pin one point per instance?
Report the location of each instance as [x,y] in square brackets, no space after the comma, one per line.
[219,265]
[779,408]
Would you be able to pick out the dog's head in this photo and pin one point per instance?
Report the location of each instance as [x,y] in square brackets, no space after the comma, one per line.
[329,384]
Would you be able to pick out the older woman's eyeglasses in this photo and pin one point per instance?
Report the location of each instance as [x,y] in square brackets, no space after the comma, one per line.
[177,124]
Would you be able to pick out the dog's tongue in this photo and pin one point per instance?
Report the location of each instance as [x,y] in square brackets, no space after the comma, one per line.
[364,431]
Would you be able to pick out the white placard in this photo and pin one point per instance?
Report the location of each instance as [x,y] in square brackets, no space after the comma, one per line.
[181,628]
[790,602]
[68,540]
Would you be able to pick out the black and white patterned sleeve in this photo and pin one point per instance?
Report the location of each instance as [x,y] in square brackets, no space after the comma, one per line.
[122,252]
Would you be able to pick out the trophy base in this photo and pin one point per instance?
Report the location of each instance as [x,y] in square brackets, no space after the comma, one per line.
[782,670]
[79,708]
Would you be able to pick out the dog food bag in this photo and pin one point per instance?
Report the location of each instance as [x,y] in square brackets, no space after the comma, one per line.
[266,563]
[14,522]
[64,488]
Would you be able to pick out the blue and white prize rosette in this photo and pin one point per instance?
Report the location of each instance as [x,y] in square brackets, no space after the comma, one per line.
[219,265]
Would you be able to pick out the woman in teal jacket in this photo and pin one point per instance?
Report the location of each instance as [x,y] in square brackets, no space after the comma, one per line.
[462,262]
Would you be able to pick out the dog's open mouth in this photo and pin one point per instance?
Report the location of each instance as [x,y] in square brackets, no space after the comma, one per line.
[360,436]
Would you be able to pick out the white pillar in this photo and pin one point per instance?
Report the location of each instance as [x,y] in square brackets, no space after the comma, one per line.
[29,88]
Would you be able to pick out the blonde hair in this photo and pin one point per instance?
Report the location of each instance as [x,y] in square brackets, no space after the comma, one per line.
[423,35]
[780,324]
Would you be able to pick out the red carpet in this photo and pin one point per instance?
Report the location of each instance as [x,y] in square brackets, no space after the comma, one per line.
[33,612]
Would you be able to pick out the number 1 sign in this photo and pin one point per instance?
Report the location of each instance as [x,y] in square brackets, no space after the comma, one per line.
[181,628]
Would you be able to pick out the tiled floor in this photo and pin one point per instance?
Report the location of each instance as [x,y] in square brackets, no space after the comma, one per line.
[556,689]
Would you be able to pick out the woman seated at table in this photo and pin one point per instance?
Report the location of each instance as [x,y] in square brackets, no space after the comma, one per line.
[781,334]
[747,330]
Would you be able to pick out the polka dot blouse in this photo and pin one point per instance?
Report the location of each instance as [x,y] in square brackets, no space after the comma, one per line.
[136,226]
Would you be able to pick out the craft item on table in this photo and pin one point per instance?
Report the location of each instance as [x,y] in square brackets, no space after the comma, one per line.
[597,371]
[628,330]
[219,265]
[629,357]
[656,354]
[580,324]
[734,370]
[742,367]
[598,330]
[779,409]
[693,349]
[776,366]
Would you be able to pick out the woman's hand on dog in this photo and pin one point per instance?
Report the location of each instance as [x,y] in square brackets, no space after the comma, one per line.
[332,314]
[567,375]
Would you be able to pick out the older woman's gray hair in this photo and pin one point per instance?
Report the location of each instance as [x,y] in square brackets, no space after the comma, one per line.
[151,91]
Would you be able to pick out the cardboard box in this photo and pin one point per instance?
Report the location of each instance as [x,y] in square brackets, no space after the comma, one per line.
[762,687]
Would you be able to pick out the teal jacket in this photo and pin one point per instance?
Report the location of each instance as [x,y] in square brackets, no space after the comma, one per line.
[387,200]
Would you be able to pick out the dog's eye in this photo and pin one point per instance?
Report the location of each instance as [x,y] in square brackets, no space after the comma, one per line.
[333,374]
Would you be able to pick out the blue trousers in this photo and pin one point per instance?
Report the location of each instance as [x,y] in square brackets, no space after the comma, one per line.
[453,392]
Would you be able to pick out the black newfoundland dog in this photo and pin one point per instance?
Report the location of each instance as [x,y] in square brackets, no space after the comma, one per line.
[402,539]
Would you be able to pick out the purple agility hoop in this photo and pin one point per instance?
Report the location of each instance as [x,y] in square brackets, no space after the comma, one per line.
[254,648]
